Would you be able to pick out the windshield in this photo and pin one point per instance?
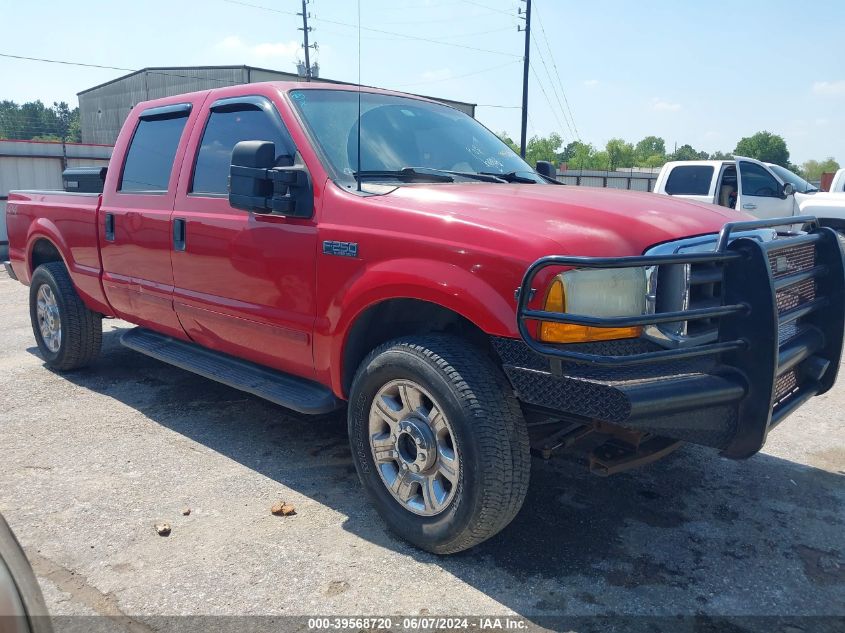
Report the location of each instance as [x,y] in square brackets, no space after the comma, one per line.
[801,185]
[400,132]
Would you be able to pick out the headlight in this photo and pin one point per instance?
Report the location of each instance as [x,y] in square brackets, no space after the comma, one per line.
[610,292]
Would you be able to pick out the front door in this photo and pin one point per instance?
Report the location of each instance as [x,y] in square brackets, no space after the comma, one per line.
[760,192]
[243,282]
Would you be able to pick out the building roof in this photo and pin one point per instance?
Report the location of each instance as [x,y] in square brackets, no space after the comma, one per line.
[174,70]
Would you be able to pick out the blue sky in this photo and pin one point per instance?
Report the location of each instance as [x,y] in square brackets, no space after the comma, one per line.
[704,73]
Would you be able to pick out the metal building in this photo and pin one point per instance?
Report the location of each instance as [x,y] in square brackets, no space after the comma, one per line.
[103,108]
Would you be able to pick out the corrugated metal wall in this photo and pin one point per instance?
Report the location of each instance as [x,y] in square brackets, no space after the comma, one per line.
[104,108]
[634,180]
[38,165]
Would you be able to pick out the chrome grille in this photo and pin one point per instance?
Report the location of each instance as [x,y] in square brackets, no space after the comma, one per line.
[705,291]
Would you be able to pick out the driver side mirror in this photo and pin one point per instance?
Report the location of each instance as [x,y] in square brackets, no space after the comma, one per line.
[547,169]
[258,186]
[788,189]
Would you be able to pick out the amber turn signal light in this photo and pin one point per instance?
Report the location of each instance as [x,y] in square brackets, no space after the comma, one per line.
[551,332]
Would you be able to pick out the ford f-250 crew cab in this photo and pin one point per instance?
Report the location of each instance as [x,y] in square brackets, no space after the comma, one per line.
[761,189]
[394,256]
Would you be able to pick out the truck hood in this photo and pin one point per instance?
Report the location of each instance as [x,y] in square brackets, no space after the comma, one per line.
[600,221]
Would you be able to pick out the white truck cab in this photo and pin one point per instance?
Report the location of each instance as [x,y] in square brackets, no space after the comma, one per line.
[764,190]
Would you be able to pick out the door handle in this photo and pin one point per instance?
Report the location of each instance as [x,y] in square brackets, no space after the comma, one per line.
[749,205]
[179,234]
[110,227]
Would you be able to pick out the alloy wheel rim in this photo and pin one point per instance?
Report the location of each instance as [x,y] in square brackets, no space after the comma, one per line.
[49,320]
[414,447]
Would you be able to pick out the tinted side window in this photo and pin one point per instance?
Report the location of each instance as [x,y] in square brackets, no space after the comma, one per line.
[756,181]
[690,180]
[227,128]
[149,160]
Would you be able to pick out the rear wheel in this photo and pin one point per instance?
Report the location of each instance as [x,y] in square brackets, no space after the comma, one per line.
[68,334]
[439,442]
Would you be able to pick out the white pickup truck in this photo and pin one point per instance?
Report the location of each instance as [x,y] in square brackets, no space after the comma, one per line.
[764,190]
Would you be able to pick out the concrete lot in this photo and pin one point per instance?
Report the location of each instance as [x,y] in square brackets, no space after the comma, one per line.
[90,461]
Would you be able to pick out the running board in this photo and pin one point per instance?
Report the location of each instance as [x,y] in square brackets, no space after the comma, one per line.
[283,389]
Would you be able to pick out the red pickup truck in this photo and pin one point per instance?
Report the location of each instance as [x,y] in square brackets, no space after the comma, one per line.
[322,246]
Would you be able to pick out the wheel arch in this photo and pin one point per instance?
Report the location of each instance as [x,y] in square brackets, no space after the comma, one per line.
[393,318]
[444,295]
[43,251]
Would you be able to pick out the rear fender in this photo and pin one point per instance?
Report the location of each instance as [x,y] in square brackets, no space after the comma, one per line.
[86,279]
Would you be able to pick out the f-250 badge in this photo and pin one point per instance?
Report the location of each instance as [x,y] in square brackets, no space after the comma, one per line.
[342,249]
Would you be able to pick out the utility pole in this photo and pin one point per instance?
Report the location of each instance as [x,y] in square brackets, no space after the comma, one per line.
[525,69]
[305,30]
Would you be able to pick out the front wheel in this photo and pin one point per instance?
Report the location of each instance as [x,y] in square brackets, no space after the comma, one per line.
[68,334]
[439,442]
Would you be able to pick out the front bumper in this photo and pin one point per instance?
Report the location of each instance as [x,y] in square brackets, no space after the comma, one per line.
[778,345]
[9,270]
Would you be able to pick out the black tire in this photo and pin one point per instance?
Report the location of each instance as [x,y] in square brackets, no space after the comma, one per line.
[488,428]
[23,584]
[838,226]
[81,328]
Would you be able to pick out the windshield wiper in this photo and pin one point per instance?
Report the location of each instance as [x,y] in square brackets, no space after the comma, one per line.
[407,174]
[511,176]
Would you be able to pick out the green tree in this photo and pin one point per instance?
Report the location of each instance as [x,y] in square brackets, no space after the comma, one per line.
[33,120]
[507,140]
[656,160]
[688,152]
[764,146]
[569,151]
[721,156]
[619,154]
[813,169]
[543,148]
[650,152]
[537,147]
[582,155]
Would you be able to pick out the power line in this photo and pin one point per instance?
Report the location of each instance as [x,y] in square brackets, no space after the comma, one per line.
[394,39]
[131,70]
[257,6]
[478,4]
[60,61]
[557,73]
[545,94]
[441,20]
[469,74]
[554,90]
[382,31]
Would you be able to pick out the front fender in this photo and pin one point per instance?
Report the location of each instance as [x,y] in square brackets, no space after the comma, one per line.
[465,292]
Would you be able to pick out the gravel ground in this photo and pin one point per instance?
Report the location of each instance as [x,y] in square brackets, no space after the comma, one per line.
[91,461]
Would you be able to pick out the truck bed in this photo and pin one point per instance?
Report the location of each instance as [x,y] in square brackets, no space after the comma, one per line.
[70,221]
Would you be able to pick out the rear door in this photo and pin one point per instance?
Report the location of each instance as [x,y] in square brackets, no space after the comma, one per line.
[134,221]
[693,182]
[760,191]
[244,282]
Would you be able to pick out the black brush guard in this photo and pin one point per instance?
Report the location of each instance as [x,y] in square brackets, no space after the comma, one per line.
[753,364]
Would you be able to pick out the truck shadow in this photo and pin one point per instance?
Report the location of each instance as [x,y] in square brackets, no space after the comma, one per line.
[692,534]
